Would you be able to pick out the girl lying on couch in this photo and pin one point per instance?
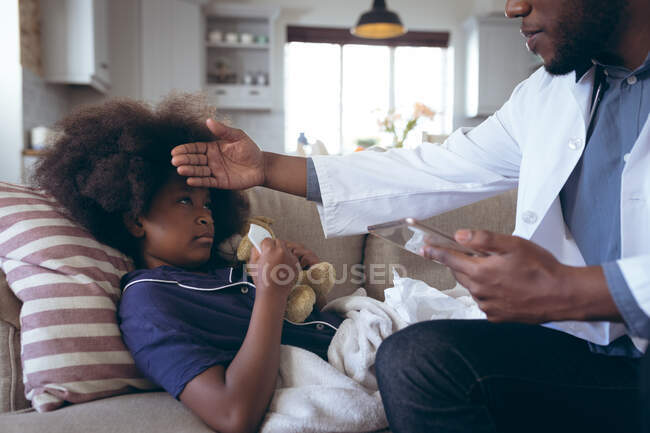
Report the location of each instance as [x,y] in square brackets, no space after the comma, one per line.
[195,323]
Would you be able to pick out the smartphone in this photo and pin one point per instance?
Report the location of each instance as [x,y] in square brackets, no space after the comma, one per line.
[410,234]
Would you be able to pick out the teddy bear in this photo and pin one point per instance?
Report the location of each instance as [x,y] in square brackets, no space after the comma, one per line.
[311,284]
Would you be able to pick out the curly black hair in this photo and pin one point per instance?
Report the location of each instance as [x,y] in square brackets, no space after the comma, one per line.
[109,160]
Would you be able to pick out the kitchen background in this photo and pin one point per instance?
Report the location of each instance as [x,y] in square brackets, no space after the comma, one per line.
[257,61]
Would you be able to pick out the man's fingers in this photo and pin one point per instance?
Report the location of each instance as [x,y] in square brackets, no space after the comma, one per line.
[484,240]
[470,285]
[216,128]
[190,159]
[194,171]
[457,261]
[189,148]
[221,131]
[202,182]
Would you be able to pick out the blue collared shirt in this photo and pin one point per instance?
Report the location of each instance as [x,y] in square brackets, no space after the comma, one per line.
[177,323]
[591,197]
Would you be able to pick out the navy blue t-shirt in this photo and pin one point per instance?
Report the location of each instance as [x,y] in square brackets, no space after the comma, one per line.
[177,324]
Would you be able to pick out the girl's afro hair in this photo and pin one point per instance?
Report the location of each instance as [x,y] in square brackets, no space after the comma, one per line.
[108,161]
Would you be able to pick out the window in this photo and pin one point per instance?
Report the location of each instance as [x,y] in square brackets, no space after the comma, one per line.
[337,90]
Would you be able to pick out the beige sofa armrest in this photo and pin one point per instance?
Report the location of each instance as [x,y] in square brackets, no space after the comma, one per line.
[9,303]
[12,390]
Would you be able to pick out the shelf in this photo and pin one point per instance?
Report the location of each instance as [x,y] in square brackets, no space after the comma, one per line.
[237,45]
[245,87]
[234,61]
[34,152]
[239,96]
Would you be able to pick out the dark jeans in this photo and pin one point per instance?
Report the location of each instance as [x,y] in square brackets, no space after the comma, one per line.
[475,376]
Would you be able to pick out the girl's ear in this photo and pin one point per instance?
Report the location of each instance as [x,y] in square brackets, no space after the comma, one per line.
[133,225]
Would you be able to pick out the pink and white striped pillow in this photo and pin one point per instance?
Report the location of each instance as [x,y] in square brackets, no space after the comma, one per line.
[71,345]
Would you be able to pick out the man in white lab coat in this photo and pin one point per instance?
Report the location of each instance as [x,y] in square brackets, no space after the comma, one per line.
[575,139]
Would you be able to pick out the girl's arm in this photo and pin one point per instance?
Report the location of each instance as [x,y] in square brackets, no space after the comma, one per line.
[235,399]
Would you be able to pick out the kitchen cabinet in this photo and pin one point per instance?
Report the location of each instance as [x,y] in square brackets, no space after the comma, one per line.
[171,35]
[74,38]
[238,51]
[497,60]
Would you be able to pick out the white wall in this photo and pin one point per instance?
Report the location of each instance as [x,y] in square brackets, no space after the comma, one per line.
[43,103]
[11,110]
[489,6]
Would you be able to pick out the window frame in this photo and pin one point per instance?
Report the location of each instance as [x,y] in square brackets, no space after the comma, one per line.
[343,36]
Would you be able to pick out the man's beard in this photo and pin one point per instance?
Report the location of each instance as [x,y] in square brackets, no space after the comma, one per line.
[584,32]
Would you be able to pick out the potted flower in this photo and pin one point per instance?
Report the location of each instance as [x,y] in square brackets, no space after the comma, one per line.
[391,122]
[365,143]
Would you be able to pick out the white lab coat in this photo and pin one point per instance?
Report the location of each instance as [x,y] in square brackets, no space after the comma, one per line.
[534,141]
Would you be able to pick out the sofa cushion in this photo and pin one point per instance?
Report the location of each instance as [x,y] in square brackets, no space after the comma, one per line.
[134,413]
[12,391]
[9,304]
[72,349]
[495,214]
[296,219]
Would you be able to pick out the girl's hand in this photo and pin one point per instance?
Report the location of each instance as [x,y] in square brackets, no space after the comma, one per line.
[305,256]
[231,161]
[274,270]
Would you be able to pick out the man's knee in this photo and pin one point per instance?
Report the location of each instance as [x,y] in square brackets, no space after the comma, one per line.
[424,340]
[425,356]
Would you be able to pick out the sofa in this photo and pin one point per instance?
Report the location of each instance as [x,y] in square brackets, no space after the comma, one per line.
[360,261]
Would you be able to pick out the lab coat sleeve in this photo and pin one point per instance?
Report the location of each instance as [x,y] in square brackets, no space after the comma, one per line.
[366,188]
[636,271]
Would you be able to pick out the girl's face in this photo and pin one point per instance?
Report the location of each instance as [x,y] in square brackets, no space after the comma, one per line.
[178,229]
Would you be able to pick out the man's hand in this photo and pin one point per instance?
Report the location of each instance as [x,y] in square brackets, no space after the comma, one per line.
[522,282]
[232,161]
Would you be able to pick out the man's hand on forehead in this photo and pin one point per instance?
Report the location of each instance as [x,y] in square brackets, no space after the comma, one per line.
[232,161]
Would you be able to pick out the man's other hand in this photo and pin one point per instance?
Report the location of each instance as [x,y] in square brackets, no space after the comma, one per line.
[522,282]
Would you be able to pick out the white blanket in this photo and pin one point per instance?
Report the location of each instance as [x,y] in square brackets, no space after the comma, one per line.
[341,396]
[354,346]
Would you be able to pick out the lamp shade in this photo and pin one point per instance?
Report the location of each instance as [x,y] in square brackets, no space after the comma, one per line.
[379,23]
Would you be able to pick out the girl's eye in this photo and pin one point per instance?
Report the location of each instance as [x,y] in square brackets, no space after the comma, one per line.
[185,200]
[207,205]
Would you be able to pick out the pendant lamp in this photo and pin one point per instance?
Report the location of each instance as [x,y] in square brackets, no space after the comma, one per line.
[379,23]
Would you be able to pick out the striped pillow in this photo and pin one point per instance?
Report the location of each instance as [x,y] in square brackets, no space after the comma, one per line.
[69,283]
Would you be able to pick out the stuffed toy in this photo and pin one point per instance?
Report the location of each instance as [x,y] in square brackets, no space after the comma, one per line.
[312,283]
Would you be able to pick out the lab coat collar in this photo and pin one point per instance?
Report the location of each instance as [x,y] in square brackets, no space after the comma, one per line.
[582,90]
